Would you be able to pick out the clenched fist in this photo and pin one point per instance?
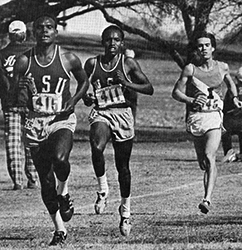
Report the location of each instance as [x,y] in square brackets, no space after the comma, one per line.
[199,101]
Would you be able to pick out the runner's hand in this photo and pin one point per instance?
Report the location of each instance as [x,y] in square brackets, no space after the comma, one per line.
[68,107]
[89,99]
[28,81]
[200,101]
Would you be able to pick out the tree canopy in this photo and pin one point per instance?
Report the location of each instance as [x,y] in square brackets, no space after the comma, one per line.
[195,15]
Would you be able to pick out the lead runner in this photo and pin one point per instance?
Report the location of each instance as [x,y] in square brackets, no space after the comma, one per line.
[51,120]
[113,77]
[200,87]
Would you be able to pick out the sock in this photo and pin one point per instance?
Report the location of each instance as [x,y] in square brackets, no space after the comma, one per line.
[125,207]
[102,184]
[58,222]
[62,187]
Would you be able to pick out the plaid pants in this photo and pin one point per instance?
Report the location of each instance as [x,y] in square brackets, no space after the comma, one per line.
[17,154]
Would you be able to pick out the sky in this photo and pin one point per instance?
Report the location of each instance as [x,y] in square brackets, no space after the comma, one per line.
[91,23]
[94,23]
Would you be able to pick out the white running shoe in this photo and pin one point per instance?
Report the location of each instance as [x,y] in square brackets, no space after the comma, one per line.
[101,202]
[124,225]
[229,157]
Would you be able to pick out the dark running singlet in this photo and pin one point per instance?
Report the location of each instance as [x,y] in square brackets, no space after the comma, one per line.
[108,93]
[52,84]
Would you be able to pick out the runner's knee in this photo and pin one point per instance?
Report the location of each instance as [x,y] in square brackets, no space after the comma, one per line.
[210,156]
[124,173]
[97,149]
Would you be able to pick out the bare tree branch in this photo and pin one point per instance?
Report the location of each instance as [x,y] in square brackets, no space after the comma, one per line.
[195,15]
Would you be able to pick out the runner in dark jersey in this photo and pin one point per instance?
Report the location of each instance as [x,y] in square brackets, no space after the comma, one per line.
[113,77]
[232,123]
[14,114]
[45,86]
[200,88]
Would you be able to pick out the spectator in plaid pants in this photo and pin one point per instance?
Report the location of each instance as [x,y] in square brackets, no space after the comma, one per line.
[14,115]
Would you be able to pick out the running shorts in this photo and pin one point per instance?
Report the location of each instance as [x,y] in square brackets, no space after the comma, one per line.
[120,121]
[38,127]
[198,123]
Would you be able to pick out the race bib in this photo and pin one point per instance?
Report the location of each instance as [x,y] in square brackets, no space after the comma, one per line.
[211,105]
[47,103]
[110,96]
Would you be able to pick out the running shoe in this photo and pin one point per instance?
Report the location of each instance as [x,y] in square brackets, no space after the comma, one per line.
[229,157]
[204,206]
[100,203]
[58,238]
[66,207]
[124,225]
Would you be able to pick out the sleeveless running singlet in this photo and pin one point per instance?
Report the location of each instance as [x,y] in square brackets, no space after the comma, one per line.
[52,84]
[107,92]
[213,79]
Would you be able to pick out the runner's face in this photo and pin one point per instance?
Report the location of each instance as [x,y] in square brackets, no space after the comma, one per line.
[45,31]
[112,42]
[205,47]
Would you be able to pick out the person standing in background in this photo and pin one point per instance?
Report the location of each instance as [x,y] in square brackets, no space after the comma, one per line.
[14,114]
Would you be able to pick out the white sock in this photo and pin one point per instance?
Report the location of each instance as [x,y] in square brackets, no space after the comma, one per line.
[103,184]
[58,222]
[125,207]
[62,187]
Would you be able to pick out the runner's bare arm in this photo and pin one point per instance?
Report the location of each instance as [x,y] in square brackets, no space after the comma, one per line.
[74,65]
[20,68]
[89,98]
[179,89]
[231,86]
[20,81]
[140,82]
[89,66]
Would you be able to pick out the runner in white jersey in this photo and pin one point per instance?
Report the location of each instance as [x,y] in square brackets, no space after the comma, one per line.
[51,120]
[200,87]
[113,77]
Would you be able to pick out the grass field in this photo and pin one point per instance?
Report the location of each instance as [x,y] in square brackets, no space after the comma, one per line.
[166,187]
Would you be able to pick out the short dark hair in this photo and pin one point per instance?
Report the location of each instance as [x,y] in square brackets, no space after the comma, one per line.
[113,27]
[207,35]
[46,15]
